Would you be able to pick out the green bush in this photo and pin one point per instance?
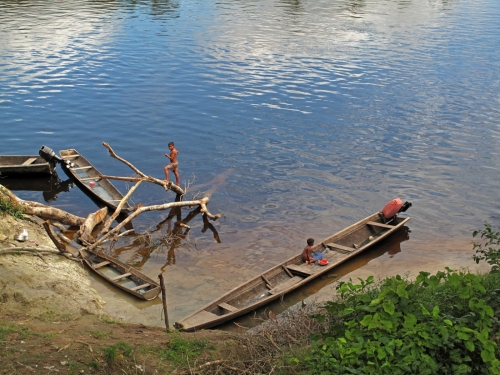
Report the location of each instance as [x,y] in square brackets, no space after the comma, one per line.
[489,250]
[438,324]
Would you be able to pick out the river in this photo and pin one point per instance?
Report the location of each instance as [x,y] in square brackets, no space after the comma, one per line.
[298,117]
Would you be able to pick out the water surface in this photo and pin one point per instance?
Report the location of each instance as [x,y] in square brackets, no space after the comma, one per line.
[302,117]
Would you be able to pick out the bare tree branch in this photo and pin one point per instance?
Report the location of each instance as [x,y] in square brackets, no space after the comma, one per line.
[166,185]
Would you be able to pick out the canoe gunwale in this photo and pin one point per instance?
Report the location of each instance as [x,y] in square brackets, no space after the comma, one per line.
[12,165]
[247,286]
[151,293]
[92,171]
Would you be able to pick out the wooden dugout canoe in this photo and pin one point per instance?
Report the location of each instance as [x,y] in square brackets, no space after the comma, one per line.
[84,174]
[121,275]
[25,165]
[292,273]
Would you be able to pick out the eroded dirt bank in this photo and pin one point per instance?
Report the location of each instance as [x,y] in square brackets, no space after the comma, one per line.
[45,286]
[52,322]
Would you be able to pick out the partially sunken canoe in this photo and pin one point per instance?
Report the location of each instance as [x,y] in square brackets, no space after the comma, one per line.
[20,165]
[121,275]
[86,176]
[292,274]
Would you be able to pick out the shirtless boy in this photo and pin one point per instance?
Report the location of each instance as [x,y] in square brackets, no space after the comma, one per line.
[174,164]
[307,252]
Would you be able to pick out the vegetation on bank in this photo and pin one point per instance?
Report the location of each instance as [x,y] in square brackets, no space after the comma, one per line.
[436,324]
[7,207]
[447,323]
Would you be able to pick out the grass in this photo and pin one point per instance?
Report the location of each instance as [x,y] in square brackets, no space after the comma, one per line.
[7,207]
[9,329]
[180,349]
[111,353]
[100,335]
[108,320]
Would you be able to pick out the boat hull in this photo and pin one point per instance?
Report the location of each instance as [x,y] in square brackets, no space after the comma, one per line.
[21,165]
[292,274]
[121,275]
[84,174]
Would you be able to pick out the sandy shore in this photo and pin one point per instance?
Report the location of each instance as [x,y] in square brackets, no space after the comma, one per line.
[41,286]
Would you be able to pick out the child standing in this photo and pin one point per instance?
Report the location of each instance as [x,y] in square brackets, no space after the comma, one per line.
[174,164]
[307,252]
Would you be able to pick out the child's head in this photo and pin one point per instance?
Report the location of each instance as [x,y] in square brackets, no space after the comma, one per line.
[310,241]
[171,144]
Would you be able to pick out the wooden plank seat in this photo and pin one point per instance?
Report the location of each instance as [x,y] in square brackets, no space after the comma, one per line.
[102,264]
[303,269]
[227,307]
[29,161]
[375,224]
[139,287]
[82,168]
[90,178]
[121,276]
[71,156]
[287,284]
[333,246]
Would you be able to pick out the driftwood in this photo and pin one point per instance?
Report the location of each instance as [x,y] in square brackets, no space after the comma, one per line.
[166,185]
[60,246]
[43,211]
[84,234]
[112,218]
[202,203]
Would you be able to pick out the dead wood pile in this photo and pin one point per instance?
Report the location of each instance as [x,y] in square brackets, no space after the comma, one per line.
[57,221]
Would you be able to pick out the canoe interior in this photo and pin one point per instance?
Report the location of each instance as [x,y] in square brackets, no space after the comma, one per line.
[85,173]
[112,270]
[24,165]
[292,273]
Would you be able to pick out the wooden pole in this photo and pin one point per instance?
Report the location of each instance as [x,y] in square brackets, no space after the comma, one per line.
[164,300]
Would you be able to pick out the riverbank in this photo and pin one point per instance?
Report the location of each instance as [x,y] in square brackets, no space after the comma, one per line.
[53,321]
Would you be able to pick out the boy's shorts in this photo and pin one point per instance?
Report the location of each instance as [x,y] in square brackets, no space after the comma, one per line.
[173,166]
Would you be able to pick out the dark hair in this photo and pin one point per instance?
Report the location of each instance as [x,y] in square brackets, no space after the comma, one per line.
[310,241]
[170,143]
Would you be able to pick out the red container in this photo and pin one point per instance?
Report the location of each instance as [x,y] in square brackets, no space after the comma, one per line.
[392,208]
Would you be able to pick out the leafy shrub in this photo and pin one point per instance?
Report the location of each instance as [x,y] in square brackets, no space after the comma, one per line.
[488,251]
[437,324]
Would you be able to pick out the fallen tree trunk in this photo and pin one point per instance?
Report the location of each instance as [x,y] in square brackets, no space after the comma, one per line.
[43,211]
[84,234]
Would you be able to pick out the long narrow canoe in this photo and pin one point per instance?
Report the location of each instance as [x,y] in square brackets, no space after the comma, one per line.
[20,165]
[121,275]
[86,176]
[292,273]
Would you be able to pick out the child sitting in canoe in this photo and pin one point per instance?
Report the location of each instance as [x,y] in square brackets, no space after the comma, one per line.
[307,252]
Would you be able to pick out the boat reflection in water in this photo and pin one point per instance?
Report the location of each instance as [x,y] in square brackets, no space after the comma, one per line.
[169,234]
[390,246]
[50,185]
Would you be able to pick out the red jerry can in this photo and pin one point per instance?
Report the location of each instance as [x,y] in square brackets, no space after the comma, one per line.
[392,208]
